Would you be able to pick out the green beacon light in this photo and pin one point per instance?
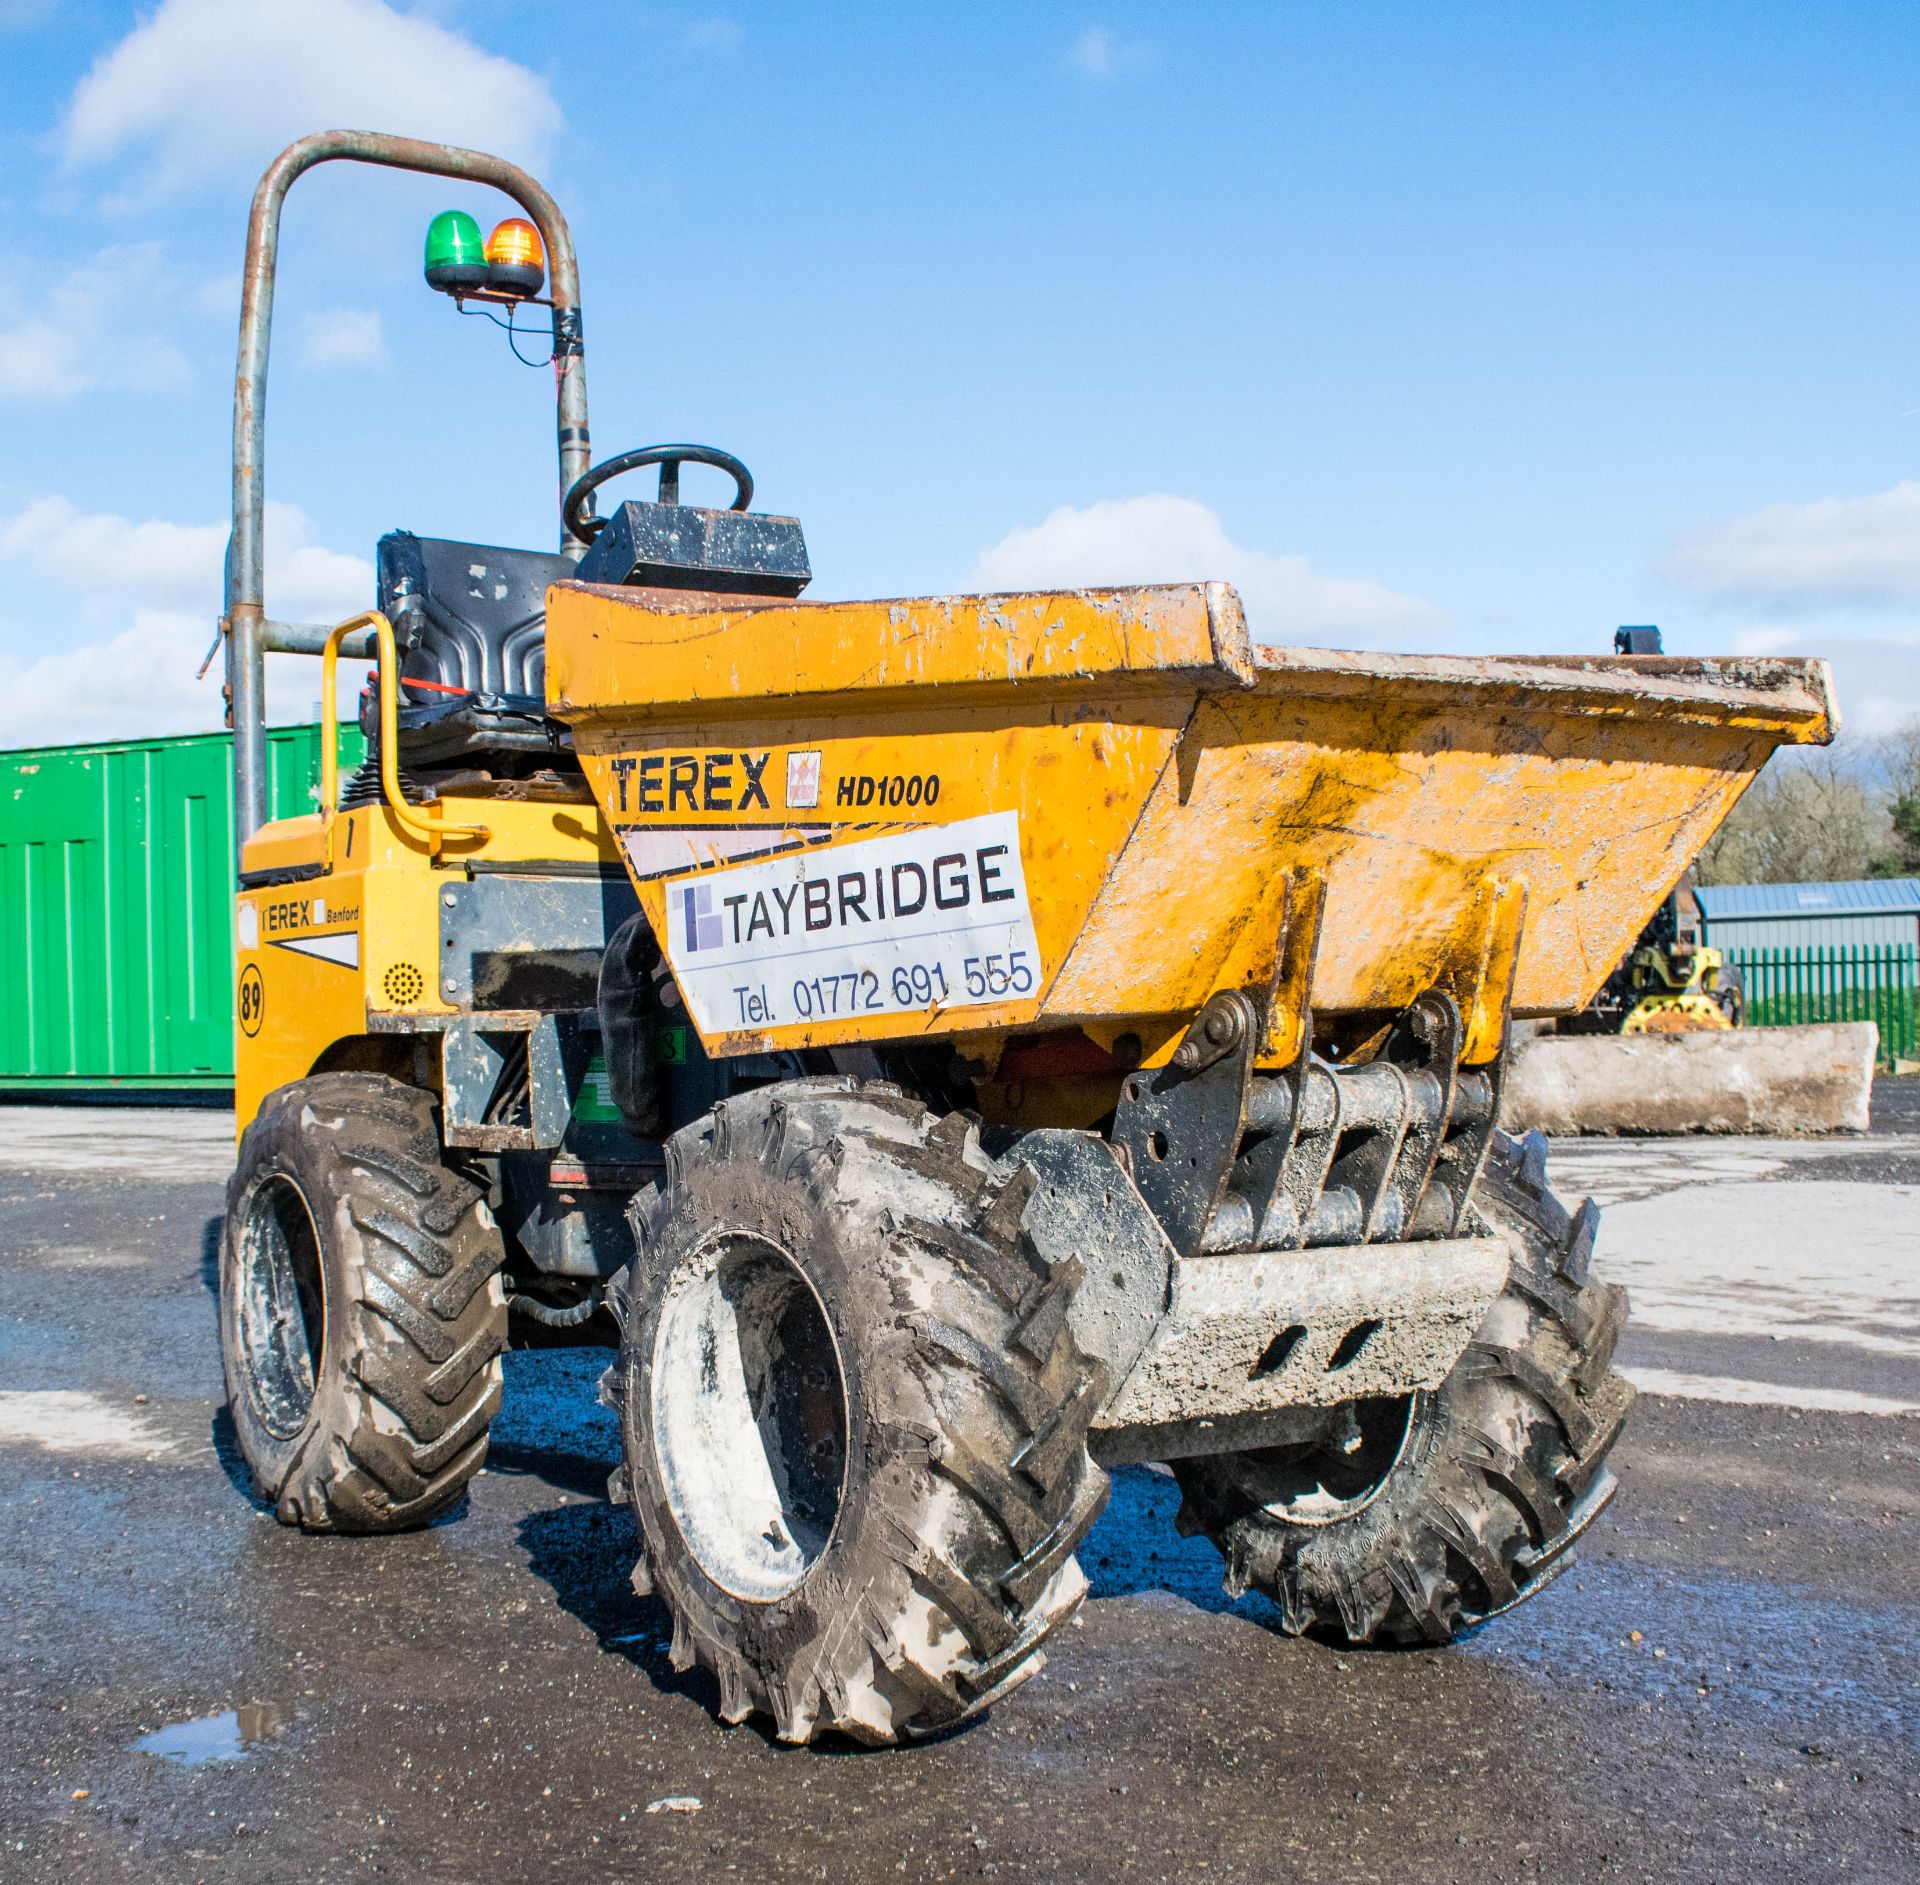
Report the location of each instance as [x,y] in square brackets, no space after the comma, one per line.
[456,257]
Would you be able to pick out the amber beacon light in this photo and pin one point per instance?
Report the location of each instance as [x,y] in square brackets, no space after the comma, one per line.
[516,264]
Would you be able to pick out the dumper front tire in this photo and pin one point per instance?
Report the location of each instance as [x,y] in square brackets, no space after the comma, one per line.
[1428,1515]
[362,1312]
[855,1420]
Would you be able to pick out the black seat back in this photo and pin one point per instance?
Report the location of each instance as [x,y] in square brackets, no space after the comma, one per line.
[470,620]
[469,615]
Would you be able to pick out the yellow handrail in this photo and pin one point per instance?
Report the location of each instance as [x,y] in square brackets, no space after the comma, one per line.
[433,831]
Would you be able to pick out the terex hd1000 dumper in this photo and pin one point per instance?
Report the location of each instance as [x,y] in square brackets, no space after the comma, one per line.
[952,1045]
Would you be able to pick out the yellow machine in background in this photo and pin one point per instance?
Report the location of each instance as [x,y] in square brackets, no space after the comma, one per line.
[1689,989]
[949,1046]
[1668,983]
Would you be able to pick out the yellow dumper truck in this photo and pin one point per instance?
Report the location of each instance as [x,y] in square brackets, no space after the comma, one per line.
[950,1045]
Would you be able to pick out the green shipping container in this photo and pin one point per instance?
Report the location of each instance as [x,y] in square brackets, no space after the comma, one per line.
[116,907]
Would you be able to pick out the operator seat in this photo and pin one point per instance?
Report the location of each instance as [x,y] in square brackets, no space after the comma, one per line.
[470,623]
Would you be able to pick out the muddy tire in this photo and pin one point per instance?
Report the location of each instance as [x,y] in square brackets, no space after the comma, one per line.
[362,1312]
[855,1421]
[1435,1513]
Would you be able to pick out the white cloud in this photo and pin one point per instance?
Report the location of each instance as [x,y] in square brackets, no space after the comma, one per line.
[150,593]
[139,684]
[1861,552]
[343,337]
[207,86]
[1161,538]
[1099,54]
[168,565]
[306,582]
[1837,578]
[81,335]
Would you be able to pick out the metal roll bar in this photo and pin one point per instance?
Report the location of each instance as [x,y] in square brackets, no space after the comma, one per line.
[245,623]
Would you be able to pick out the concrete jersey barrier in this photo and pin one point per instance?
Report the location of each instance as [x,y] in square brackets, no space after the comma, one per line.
[1772,1081]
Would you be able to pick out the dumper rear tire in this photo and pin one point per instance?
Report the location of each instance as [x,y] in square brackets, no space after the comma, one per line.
[1461,1502]
[362,1312]
[855,1420]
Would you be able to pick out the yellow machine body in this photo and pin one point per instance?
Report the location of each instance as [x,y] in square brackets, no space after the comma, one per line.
[1165,775]
[952,1045]
[339,968]
[1497,828]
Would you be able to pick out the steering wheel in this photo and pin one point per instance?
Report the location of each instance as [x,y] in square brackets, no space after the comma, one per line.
[576,513]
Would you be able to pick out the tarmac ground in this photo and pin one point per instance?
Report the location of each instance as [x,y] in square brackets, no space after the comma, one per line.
[1725,1687]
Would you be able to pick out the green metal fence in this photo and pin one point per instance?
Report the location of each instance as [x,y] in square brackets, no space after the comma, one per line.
[1877,982]
[116,907]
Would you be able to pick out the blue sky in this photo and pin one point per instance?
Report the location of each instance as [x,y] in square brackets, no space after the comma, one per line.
[1468,327]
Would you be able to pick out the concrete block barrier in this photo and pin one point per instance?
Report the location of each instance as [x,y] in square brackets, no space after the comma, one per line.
[1769,1081]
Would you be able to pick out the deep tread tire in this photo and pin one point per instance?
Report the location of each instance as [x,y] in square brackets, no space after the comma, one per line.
[408,1377]
[967,1485]
[1504,1464]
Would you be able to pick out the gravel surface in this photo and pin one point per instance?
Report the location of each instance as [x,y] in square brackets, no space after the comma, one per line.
[1726,1686]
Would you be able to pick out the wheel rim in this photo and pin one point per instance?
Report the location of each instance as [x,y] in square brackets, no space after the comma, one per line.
[281,1307]
[749,1417]
[1340,1472]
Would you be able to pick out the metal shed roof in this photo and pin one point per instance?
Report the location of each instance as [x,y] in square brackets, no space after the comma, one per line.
[1871,896]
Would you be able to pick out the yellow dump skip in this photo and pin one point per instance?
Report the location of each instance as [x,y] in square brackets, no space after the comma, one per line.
[768,764]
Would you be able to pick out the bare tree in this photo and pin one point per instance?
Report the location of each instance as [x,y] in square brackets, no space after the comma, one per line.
[1898,757]
[1820,818]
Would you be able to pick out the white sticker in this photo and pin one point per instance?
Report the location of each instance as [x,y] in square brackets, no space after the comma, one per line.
[343,947]
[926,919]
[803,781]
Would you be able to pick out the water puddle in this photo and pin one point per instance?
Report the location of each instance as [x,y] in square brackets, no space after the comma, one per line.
[1134,1551]
[231,1735]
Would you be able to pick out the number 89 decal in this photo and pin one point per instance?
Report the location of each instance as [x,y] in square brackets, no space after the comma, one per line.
[252,1001]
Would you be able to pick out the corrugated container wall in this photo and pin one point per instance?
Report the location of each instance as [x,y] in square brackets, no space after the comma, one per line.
[1876,912]
[116,906]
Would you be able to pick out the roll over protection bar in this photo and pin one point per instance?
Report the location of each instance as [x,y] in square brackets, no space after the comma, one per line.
[244,622]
